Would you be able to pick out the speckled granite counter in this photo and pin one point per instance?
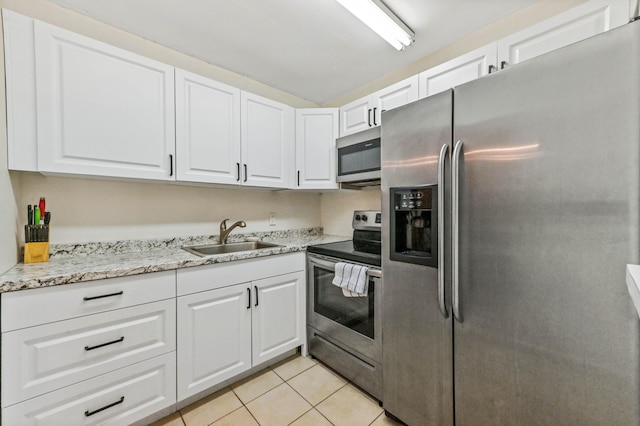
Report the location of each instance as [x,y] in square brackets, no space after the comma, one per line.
[73,263]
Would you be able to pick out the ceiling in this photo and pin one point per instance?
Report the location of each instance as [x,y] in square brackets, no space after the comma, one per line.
[313,49]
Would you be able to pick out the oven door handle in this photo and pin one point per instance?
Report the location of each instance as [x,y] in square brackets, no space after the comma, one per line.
[374,273]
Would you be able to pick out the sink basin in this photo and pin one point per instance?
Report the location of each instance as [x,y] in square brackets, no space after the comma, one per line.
[210,249]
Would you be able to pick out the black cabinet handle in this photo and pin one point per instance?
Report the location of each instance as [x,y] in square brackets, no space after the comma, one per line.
[503,64]
[492,68]
[374,116]
[170,164]
[298,177]
[248,298]
[103,296]
[245,172]
[238,172]
[90,348]
[369,116]
[91,413]
[256,288]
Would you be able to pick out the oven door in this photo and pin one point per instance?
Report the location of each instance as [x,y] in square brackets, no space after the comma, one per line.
[352,321]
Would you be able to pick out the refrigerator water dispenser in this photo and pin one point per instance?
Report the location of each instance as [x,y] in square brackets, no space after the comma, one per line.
[414,226]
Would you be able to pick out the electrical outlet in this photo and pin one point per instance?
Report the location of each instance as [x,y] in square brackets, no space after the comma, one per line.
[272,219]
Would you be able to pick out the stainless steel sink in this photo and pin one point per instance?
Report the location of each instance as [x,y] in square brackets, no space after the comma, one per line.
[210,249]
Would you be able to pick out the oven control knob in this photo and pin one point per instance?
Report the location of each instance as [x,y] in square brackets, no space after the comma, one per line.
[357,217]
[364,217]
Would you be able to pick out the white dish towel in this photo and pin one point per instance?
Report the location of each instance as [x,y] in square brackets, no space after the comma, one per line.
[352,278]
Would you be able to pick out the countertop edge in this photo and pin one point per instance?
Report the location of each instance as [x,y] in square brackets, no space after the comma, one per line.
[97,267]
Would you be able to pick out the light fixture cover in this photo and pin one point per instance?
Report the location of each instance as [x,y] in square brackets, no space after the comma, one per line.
[380,19]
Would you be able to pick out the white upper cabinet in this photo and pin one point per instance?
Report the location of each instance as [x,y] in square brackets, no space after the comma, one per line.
[398,94]
[316,133]
[366,112]
[356,116]
[576,24]
[101,110]
[457,71]
[268,142]
[207,130]
[20,71]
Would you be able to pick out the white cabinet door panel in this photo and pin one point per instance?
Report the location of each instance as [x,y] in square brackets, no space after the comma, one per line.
[457,71]
[398,94]
[278,316]
[576,24]
[40,359]
[215,338]
[207,130]
[20,69]
[120,398]
[356,116]
[268,142]
[316,133]
[102,110]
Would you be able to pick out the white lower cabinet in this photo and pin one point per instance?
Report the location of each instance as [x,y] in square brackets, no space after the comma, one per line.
[120,397]
[214,338]
[96,352]
[249,312]
[65,352]
[278,315]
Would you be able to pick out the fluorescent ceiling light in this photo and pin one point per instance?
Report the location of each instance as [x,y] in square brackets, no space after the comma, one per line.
[380,19]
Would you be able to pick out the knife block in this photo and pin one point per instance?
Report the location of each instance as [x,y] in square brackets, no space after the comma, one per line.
[36,252]
[36,247]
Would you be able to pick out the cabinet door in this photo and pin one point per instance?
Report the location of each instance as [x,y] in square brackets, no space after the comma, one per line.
[268,142]
[214,337]
[457,71]
[576,24]
[278,315]
[316,133]
[207,130]
[102,110]
[356,116]
[401,93]
[20,75]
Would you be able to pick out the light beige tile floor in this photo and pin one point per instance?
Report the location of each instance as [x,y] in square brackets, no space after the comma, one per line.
[297,391]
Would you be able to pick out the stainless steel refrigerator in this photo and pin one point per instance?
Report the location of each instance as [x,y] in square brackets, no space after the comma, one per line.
[511,207]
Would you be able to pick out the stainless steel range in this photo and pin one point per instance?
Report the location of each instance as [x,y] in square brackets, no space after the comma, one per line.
[346,332]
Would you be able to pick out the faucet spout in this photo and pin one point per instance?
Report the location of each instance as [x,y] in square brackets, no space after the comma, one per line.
[224,231]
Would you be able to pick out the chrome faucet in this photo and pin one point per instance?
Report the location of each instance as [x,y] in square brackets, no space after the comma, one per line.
[224,231]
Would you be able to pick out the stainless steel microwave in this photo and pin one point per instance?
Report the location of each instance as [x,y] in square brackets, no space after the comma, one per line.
[358,161]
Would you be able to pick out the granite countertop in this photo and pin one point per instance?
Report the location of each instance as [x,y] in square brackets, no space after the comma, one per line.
[73,263]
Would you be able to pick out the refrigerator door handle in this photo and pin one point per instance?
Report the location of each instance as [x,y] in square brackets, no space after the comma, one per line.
[444,151]
[455,217]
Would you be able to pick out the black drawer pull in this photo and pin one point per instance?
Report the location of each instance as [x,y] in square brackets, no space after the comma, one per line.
[91,413]
[104,295]
[90,348]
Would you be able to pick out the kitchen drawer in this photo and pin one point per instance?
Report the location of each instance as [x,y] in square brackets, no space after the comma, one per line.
[44,358]
[20,309]
[210,277]
[120,397]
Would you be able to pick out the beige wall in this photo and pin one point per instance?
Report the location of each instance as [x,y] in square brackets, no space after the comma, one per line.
[102,210]
[336,208]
